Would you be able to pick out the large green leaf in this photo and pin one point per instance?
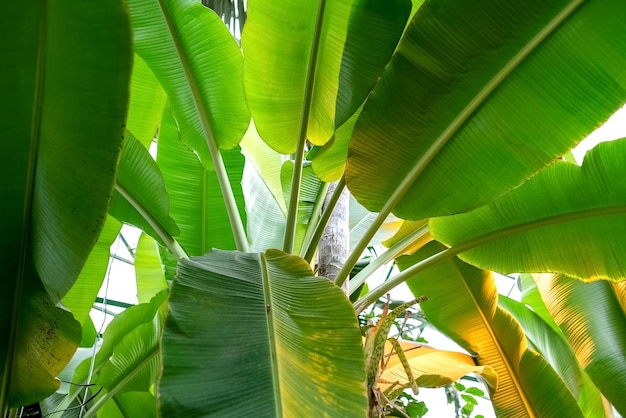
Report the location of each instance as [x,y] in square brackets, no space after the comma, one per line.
[296,54]
[553,346]
[550,344]
[273,331]
[199,65]
[594,324]
[64,79]
[462,303]
[329,161]
[310,197]
[196,201]
[267,162]
[140,198]
[549,224]
[130,404]
[481,95]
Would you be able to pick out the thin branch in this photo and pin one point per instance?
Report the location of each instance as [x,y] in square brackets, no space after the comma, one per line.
[128,247]
[167,239]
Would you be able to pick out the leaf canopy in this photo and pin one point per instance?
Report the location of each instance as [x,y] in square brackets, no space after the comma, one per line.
[291,47]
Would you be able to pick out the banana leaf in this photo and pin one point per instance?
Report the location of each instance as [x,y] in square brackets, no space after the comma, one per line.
[479,96]
[140,198]
[273,330]
[199,64]
[549,224]
[432,367]
[149,273]
[79,300]
[309,64]
[126,361]
[65,89]
[146,103]
[196,202]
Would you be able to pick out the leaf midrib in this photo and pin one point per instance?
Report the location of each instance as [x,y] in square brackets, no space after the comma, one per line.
[478,100]
[495,341]
[271,335]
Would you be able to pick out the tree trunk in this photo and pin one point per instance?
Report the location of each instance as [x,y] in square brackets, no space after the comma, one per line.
[334,244]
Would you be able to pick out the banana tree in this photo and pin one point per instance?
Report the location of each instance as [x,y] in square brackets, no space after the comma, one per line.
[445,122]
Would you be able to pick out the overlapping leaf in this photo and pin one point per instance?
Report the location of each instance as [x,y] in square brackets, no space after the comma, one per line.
[140,198]
[199,65]
[479,97]
[594,324]
[566,219]
[462,303]
[146,103]
[148,269]
[353,40]
[434,368]
[197,205]
[79,300]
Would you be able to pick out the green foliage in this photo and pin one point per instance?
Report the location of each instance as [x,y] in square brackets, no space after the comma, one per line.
[446,114]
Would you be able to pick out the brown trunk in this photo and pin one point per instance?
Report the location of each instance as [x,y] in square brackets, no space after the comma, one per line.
[334,244]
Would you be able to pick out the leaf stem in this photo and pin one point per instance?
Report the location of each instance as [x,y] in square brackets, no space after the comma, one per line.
[167,239]
[292,212]
[321,225]
[395,250]
[315,218]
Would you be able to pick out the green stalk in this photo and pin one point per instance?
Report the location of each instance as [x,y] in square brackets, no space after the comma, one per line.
[448,253]
[321,225]
[395,250]
[315,218]
[167,239]
[236,224]
[292,212]
[450,130]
